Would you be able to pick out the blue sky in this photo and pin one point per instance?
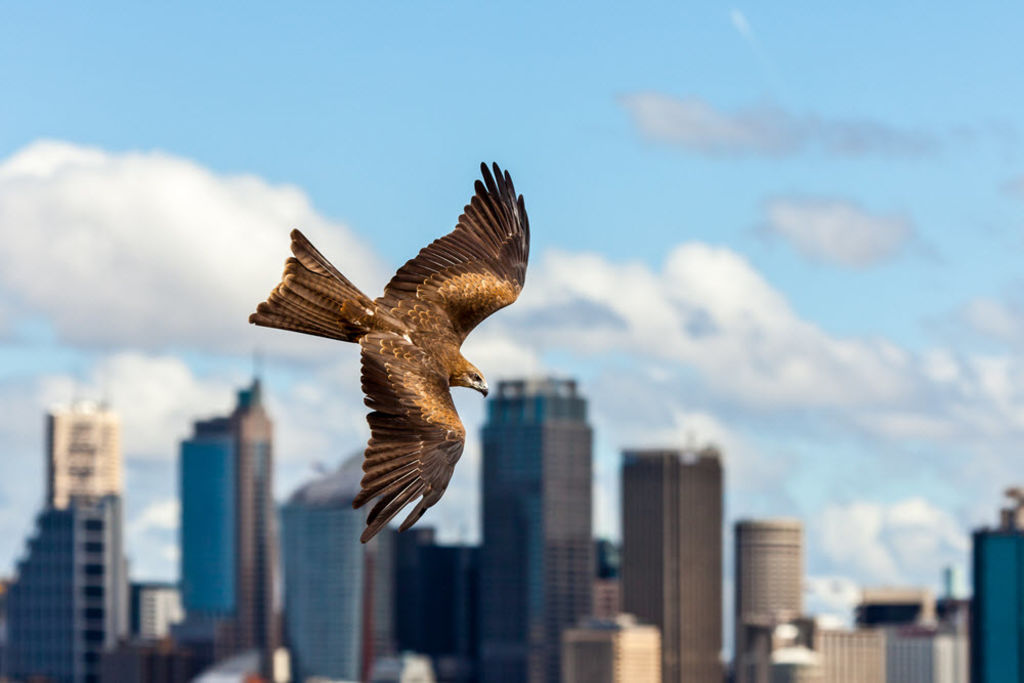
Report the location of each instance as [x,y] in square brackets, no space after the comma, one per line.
[818,209]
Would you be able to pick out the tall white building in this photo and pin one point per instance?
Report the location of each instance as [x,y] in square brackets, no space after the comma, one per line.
[83,444]
[154,608]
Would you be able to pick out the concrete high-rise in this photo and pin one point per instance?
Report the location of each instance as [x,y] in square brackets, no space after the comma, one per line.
[997,623]
[70,600]
[537,554]
[324,573]
[83,444]
[672,556]
[851,655]
[228,535]
[768,585]
[612,651]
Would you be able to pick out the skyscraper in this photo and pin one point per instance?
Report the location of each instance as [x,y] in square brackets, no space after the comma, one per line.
[672,556]
[769,579]
[83,444]
[537,554]
[436,602]
[997,624]
[228,537]
[70,600]
[324,567]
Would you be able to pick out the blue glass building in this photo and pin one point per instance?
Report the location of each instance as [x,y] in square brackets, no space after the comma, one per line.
[228,533]
[997,625]
[537,556]
[207,479]
[324,564]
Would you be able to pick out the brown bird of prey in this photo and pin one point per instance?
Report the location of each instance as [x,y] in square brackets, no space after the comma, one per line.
[410,339]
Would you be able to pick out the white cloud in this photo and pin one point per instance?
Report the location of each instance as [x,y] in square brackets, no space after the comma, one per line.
[710,311]
[164,515]
[835,231]
[994,319]
[835,596]
[150,250]
[763,130]
[895,543]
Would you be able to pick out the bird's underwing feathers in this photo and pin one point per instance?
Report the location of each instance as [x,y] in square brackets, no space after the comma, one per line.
[416,436]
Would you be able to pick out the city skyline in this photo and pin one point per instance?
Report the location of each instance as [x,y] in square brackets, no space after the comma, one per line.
[539,441]
[747,227]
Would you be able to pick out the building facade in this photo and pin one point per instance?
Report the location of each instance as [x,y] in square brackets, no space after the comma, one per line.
[611,651]
[997,624]
[437,608]
[851,656]
[768,586]
[154,608]
[228,530]
[923,654]
[70,600]
[537,557]
[672,556]
[83,444]
[324,573]
[892,606]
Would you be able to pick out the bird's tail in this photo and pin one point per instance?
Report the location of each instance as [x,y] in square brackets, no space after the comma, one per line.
[315,298]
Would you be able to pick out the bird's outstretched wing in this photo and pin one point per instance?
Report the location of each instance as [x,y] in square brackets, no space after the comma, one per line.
[472,271]
[416,436]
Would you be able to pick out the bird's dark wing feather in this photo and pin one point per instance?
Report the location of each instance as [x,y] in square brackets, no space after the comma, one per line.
[472,271]
[416,436]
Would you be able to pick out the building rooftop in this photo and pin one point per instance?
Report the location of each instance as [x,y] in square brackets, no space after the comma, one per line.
[537,386]
[335,489]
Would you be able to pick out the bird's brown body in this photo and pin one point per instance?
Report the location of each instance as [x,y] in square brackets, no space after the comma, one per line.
[411,338]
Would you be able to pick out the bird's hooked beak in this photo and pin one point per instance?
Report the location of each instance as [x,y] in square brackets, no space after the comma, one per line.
[481,387]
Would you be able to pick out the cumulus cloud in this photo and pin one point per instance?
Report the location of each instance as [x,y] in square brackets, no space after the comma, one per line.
[141,248]
[998,320]
[696,126]
[833,595]
[709,310]
[911,539]
[836,231]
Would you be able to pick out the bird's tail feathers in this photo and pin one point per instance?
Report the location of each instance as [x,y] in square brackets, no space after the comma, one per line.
[315,298]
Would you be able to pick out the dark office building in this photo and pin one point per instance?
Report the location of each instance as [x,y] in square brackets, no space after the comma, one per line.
[537,557]
[149,662]
[380,594]
[895,607]
[672,556]
[70,600]
[607,559]
[436,603]
[997,624]
[228,536]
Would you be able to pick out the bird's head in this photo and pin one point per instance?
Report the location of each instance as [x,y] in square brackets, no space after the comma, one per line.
[470,377]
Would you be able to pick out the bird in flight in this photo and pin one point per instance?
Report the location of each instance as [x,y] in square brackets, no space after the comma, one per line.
[410,339]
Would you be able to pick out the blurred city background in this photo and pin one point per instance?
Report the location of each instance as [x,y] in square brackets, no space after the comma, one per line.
[755,415]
